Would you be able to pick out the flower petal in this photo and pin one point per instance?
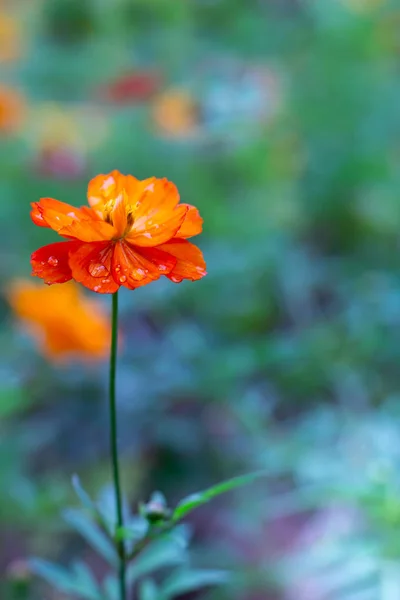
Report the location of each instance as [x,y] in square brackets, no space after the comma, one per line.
[190,262]
[192,224]
[89,231]
[132,267]
[102,188]
[50,263]
[91,266]
[119,215]
[158,227]
[52,213]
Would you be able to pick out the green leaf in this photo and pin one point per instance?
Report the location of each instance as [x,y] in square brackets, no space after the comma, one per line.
[191,502]
[55,575]
[62,580]
[183,582]
[164,552]
[110,587]
[149,591]
[83,495]
[92,534]
[85,578]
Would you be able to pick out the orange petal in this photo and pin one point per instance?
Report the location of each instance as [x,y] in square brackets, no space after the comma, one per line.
[91,266]
[156,215]
[57,215]
[103,188]
[89,231]
[190,262]
[119,215]
[134,267]
[192,224]
[50,263]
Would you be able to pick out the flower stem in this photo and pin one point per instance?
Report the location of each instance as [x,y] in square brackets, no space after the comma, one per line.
[114,447]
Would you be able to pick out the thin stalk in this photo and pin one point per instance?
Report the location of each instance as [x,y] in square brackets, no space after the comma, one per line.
[114,447]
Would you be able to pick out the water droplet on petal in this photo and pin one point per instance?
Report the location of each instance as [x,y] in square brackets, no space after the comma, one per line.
[147,235]
[98,270]
[162,268]
[200,269]
[122,279]
[176,279]
[141,271]
[72,215]
[53,261]
[117,268]
[42,262]
[97,288]
[104,281]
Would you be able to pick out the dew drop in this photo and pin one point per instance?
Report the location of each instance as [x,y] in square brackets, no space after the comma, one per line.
[104,281]
[53,261]
[117,268]
[200,269]
[162,267]
[141,271]
[176,279]
[42,262]
[97,288]
[98,270]
[147,235]
[122,279]
[72,215]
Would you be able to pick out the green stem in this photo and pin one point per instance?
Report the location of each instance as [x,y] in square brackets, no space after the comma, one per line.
[114,446]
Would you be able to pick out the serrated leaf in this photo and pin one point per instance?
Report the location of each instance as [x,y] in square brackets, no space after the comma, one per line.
[164,552]
[149,591]
[191,502]
[183,582]
[92,534]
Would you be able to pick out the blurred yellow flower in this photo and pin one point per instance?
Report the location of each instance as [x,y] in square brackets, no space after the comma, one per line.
[63,321]
[175,113]
[10,38]
[12,110]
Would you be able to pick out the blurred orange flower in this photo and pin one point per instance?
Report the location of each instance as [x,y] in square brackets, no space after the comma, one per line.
[10,38]
[133,232]
[175,113]
[12,110]
[63,321]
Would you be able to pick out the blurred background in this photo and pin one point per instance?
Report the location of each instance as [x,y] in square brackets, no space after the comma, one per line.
[280,121]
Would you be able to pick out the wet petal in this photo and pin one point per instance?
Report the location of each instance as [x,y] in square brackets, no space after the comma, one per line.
[57,215]
[192,224]
[190,262]
[102,188]
[91,266]
[158,227]
[131,267]
[50,263]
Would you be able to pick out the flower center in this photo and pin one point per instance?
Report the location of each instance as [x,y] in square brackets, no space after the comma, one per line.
[108,209]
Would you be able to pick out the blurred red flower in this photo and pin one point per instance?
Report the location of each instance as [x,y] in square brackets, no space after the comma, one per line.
[132,233]
[132,87]
[62,320]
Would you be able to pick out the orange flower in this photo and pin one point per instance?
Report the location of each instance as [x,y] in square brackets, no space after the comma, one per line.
[62,320]
[12,108]
[132,233]
[175,114]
